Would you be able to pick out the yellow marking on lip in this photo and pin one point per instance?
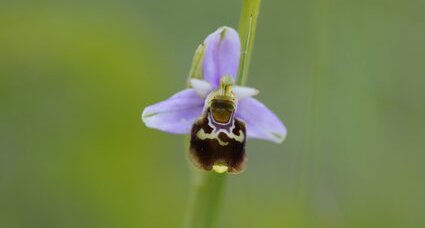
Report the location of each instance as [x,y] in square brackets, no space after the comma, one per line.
[202,136]
[220,168]
[239,137]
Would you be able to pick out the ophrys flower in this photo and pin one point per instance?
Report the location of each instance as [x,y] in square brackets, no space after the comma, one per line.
[218,114]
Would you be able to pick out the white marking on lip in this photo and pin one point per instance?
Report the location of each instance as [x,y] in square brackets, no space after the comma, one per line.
[213,135]
[201,134]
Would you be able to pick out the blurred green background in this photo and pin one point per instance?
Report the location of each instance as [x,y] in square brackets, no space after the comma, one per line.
[346,77]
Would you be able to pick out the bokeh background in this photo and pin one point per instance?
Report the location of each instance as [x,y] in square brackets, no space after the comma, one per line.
[346,77]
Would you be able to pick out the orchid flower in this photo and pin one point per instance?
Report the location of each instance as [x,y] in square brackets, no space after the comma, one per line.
[218,114]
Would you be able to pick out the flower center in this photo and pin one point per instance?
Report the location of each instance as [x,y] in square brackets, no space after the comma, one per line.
[222,102]
[222,110]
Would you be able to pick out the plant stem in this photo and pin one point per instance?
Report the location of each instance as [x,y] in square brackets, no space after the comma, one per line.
[209,186]
[247,26]
[207,195]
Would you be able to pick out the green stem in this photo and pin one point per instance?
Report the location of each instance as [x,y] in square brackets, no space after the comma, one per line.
[207,195]
[247,26]
[209,186]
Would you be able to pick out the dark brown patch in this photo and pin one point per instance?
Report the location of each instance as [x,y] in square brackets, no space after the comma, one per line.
[204,153]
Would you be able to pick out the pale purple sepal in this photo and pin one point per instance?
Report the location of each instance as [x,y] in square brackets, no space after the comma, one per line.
[261,123]
[222,54]
[176,114]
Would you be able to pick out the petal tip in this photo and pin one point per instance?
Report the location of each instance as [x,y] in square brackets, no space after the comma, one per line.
[278,137]
[147,119]
[223,30]
[145,115]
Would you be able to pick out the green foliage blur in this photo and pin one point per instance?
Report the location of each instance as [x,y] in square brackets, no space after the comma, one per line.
[346,77]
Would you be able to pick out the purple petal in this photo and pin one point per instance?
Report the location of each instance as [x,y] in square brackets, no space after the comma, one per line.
[176,114]
[222,53]
[261,123]
[242,91]
[202,87]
